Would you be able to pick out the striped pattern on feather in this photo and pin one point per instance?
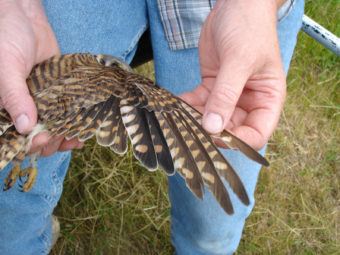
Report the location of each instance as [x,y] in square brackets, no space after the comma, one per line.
[83,96]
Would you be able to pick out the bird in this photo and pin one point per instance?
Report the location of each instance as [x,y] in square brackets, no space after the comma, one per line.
[83,95]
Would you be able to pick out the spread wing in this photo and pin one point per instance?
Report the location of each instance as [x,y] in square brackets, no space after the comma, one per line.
[84,95]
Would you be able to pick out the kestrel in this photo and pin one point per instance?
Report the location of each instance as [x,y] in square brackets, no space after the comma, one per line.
[83,95]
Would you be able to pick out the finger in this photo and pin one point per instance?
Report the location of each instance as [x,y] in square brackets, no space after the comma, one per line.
[52,146]
[39,141]
[70,145]
[237,119]
[196,97]
[15,97]
[264,112]
[80,145]
[224,95]
[257,127]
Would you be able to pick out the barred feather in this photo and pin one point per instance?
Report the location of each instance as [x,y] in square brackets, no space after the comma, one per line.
[221,165]
[228,138]
[204,163]
[5,121]
[108,129]
[183,160]
[11,144]
[98,120]
[82,95]
[138,130]
[161,148]
[120,141]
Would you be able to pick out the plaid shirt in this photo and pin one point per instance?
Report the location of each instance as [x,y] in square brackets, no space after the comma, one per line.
[182,20]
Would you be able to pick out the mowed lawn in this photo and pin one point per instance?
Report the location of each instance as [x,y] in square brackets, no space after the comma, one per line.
[111,205]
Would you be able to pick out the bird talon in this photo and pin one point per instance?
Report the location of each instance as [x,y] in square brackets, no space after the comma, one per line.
[31,174]
[12,177]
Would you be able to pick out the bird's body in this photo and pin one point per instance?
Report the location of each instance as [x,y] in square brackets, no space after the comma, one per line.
[83,95]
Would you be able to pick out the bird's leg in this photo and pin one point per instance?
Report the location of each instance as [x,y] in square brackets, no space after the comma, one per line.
[12,177]
[30,173]
[15,172]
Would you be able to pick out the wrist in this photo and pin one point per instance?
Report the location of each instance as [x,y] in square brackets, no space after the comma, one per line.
[35,13]
[32,9]
[29,17]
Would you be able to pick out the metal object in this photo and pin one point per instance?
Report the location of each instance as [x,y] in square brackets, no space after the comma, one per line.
[321,34]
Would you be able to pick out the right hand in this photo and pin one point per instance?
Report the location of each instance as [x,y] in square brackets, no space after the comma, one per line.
[26,39]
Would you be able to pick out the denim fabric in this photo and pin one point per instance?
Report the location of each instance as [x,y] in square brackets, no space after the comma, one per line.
[202,227]
[114,27]
[25,218]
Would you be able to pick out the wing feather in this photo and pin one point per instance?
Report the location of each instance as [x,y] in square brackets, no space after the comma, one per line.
[161,148]
[230,140]
[183,161]
[97,121]
[11,144]
[204,162]
[138,130]
[222,166]
[5,121]
[79,95]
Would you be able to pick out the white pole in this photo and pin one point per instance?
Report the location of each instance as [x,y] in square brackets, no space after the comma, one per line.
[321,34]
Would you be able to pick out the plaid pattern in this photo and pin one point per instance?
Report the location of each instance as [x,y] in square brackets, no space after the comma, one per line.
[182,20]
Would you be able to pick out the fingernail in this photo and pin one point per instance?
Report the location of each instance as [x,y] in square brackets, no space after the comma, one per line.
[213,123]
[22,123]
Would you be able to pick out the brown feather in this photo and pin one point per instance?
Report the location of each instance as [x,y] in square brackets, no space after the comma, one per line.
[79,95]
[230,140]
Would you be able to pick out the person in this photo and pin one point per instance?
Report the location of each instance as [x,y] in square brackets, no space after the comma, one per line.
[229,62]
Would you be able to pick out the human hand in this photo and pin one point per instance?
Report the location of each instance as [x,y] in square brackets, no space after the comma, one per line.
[243,83]
[26,39]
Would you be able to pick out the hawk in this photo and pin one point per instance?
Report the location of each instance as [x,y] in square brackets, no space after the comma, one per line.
[84,95]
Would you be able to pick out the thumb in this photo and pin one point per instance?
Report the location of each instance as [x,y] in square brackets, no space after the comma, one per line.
[16,99]
[224,96]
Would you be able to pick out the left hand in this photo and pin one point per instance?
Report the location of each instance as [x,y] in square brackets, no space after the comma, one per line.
[26,39]
[243,83]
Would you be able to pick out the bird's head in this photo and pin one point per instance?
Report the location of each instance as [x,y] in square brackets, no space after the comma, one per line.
[108,60]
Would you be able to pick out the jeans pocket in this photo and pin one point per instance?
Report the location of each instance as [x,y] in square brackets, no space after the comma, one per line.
[285,10]
[129,53]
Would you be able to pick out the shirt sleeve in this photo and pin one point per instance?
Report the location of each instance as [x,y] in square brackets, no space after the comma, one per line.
[182,20]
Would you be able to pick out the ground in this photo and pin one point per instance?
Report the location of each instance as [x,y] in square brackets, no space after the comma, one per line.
[110,205]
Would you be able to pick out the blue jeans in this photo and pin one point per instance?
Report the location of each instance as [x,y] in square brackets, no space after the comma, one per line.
[114,27]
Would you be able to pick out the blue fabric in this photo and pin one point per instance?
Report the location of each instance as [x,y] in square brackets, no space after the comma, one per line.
[114,27]
[203,227]
[25,218]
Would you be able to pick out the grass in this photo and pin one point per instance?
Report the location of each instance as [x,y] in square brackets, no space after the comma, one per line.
[112,206]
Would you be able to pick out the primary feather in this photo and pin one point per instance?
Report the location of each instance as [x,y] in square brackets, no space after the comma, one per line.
[83,95]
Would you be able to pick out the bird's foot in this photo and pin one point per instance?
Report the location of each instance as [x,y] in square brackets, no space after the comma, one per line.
[12,177]
[30,175]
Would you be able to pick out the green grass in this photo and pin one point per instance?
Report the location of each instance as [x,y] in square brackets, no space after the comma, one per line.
[110,205]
